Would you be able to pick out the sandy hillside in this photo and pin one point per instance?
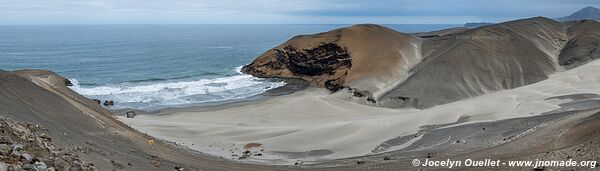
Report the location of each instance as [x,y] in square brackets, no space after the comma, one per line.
[88,130]
[313,125]
[483,60]
[285,124]
[583,44]
[386,68]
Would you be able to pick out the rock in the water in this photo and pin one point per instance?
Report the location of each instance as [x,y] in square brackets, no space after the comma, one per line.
[131,114]
[109,103]
[68,82]
[97,101]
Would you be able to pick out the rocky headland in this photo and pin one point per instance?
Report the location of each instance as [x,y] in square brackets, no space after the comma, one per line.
[391,69]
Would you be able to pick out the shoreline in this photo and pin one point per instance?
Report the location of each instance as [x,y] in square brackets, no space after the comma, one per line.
[313,125]
[292,86]
[297,127]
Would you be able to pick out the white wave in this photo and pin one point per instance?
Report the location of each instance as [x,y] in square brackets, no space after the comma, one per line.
[148,95]
[75,82]
[239,70]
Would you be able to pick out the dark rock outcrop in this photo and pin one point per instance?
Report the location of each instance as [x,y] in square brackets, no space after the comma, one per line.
[109,103]
[68,82]
[326,59]
[97,101]
[130,114]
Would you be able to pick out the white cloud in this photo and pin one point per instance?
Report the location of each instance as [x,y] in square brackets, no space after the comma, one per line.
[276,11]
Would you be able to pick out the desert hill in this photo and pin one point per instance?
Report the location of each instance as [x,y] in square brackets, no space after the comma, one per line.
[368,57]
[587,13]
[392,69]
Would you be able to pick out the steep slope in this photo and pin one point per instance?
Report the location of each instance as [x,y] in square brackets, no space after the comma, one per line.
[382,67]
[587,13]
[75,125]
[366,57]
[582,47]
[486,59]
[90,131]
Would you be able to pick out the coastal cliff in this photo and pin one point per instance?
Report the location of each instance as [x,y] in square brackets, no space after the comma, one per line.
[368,57]
[392,69]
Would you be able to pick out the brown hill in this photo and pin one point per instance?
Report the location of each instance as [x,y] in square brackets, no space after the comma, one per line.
[393,69]
[486,59]
[367,57]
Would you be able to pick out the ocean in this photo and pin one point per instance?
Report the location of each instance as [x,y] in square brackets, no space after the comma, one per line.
[150,67]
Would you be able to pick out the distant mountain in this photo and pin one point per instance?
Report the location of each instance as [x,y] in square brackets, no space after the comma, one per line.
[587,13]
[474,25]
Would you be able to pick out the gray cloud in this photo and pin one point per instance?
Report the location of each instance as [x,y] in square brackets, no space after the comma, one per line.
[279,11]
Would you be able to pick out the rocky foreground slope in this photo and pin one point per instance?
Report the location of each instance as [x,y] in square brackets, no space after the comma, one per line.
[382,67]
[76,132]
[27,146]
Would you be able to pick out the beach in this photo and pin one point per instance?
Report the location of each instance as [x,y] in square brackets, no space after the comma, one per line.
[313,125]
[360,97]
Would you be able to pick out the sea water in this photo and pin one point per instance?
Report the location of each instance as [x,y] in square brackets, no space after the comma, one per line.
[155,66]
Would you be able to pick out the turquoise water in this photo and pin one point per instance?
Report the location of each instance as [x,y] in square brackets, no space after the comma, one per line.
[154,66]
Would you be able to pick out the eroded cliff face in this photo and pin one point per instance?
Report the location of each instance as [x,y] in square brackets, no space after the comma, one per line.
[324,65]
[368,57]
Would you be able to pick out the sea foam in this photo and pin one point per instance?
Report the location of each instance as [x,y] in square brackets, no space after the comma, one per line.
[154,95]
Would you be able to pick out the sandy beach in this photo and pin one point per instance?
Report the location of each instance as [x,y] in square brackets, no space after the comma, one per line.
[360,97]
[314,125]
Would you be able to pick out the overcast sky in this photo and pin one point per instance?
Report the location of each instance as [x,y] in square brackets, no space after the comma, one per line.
[280,11]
